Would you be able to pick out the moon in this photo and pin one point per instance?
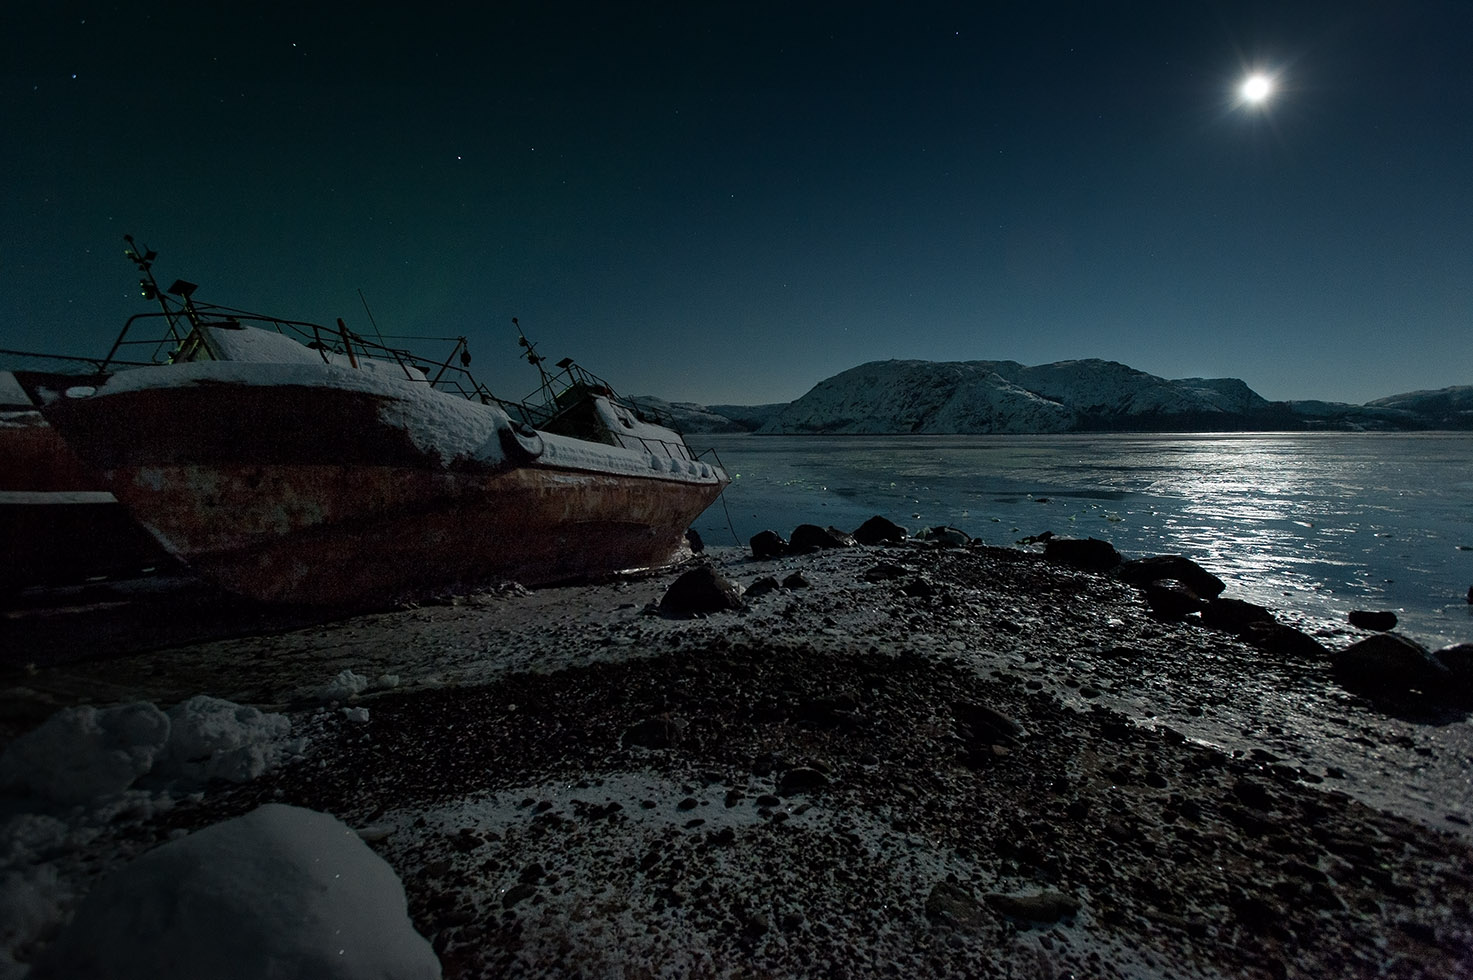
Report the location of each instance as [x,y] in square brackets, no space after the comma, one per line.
[1256,89]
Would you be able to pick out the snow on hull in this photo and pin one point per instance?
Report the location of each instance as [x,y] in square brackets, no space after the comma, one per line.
[317,484]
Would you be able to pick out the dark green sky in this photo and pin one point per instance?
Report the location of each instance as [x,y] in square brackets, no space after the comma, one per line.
[730,202]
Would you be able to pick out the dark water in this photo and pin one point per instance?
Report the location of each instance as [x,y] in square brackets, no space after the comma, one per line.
[1319,523]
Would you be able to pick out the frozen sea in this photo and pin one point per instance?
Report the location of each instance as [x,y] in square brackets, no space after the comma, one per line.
[1317,523]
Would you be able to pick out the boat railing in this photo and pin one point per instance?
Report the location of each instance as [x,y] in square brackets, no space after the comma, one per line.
[181,343]
[559,394]
[656,447]
[16,360]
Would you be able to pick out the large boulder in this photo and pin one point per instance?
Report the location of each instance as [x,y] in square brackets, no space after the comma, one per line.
[879,530]
[768,544]
[1043,906]
[946,536]
[701,590]
[1143,571]
[811,537]
[1378,620]
[1389,664]
[1172,599]
[1090,554]
[1234,615]
[1287,640]
[279,892]
[759,588]
[1458,659]
[984,724]
[956,906]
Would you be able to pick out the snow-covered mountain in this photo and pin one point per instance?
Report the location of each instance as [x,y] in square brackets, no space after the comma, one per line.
[942,397]
[1448,408]
[749,416]
[688,416]
[1005,396]
[1444,408]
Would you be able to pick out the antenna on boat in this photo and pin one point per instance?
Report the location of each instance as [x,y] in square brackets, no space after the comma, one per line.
[143,258]
[533,358]
[374,323]
[463,349]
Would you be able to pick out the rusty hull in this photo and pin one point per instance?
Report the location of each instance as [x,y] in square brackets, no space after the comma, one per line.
[330,534]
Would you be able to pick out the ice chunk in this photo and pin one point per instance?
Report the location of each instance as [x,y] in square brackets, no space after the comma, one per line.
[31,903]
[211,738]
[343,686]
[85,752]
[281,891]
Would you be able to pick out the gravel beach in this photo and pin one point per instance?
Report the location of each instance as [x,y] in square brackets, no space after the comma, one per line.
[903,760]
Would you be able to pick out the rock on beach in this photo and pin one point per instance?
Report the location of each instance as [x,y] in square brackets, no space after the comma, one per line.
[1091,554]
[1388,664]
[880,530]
[1372,620]
[701,590]
[811,537]
[1143,571]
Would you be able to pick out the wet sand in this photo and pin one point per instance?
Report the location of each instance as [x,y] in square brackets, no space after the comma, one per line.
[819,783]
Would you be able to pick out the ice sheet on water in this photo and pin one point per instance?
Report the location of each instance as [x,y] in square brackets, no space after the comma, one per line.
[1318,523]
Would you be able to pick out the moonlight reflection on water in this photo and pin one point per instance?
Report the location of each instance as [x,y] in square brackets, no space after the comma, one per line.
[1318,523]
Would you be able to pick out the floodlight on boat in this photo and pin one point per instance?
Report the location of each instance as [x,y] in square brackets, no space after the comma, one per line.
[132,252]
[565,363]
[183,288]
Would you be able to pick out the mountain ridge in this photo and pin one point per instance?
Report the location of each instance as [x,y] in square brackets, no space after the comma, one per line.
[894,397]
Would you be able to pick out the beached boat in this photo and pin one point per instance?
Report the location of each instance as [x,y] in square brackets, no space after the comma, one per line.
[339,471]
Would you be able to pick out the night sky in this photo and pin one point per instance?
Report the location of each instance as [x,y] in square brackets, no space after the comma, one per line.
[730,202]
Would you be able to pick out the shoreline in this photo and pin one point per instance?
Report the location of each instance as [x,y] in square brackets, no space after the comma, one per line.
[1292,547]
[1204,807]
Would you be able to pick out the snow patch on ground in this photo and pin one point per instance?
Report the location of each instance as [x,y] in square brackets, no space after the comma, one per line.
[599,893]
[86,753]
[344,686]
[281,891]
[75,777]
[211,738]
